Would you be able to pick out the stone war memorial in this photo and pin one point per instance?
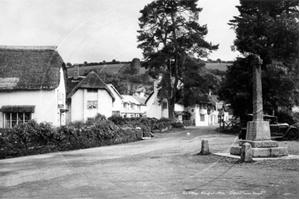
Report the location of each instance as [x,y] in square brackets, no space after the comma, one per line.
[258,137]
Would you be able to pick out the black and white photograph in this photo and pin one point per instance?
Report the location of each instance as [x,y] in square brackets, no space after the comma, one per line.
[158,99]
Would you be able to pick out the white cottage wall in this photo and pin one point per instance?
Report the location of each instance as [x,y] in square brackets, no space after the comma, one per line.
[77,106]
[153,107]
[45,103]
[105,103]
[61,99]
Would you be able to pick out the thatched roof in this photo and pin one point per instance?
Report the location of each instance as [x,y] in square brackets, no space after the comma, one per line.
[92,81]
[29,68]
[17,109]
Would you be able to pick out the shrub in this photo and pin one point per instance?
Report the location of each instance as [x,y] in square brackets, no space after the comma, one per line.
[22,136]
[104,129]
[177,125]
[117,119]
[45,133]
[34,138]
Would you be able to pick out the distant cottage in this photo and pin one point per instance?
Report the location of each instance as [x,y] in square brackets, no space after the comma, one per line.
[205,112]
[32,85]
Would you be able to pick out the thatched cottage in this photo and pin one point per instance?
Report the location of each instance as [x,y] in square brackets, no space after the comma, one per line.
[32,85]
[88,96]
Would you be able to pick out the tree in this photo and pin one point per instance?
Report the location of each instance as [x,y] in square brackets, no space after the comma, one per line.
[69,65]
[198,82]
[133,68]
[268,29]
[279,87]
[170,34]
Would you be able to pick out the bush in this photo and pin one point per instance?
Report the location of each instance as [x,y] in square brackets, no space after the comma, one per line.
[33,138]
[45,133]
[177,125]
[117,119]
[162,124]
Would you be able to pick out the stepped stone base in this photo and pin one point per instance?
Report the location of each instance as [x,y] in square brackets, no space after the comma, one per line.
[279,151]
[260,144]
[265,148]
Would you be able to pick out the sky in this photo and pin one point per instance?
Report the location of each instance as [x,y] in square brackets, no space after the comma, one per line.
[97,30]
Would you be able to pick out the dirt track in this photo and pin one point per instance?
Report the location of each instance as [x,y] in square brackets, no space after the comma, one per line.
[164,167]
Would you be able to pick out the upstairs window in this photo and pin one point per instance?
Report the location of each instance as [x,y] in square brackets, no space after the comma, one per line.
[92,105]
[92,90]
[164,105]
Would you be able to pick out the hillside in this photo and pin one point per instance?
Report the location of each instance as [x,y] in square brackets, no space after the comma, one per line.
[219,66]
[110,68]
[115,68]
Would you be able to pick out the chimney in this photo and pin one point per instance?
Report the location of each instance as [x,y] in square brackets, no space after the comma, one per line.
[76,72]
[156,82]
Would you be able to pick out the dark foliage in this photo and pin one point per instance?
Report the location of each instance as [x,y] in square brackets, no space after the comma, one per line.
[279,87]
[269,30]
[33,138]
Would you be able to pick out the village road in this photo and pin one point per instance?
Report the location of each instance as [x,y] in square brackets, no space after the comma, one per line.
[166,166]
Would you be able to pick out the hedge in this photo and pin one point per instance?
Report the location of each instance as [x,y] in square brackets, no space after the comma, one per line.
[32,138]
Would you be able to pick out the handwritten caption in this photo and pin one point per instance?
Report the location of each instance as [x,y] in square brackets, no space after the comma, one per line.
[224,193]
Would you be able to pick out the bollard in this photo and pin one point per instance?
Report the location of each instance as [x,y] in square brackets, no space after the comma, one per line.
[246,153]
[204,148]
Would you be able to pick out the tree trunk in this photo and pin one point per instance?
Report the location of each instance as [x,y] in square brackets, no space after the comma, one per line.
[171,106]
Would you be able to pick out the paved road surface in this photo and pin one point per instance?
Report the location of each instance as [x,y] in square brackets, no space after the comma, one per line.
[164,167]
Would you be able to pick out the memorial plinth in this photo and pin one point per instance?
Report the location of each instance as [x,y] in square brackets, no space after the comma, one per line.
[258,131]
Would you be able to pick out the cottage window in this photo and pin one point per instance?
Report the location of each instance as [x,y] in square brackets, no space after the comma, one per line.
[92,90]
[13,119]
[116,113]
[92,105]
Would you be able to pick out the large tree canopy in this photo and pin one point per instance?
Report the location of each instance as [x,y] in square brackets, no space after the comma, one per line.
[269,29]
[279,87]
[170,34]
